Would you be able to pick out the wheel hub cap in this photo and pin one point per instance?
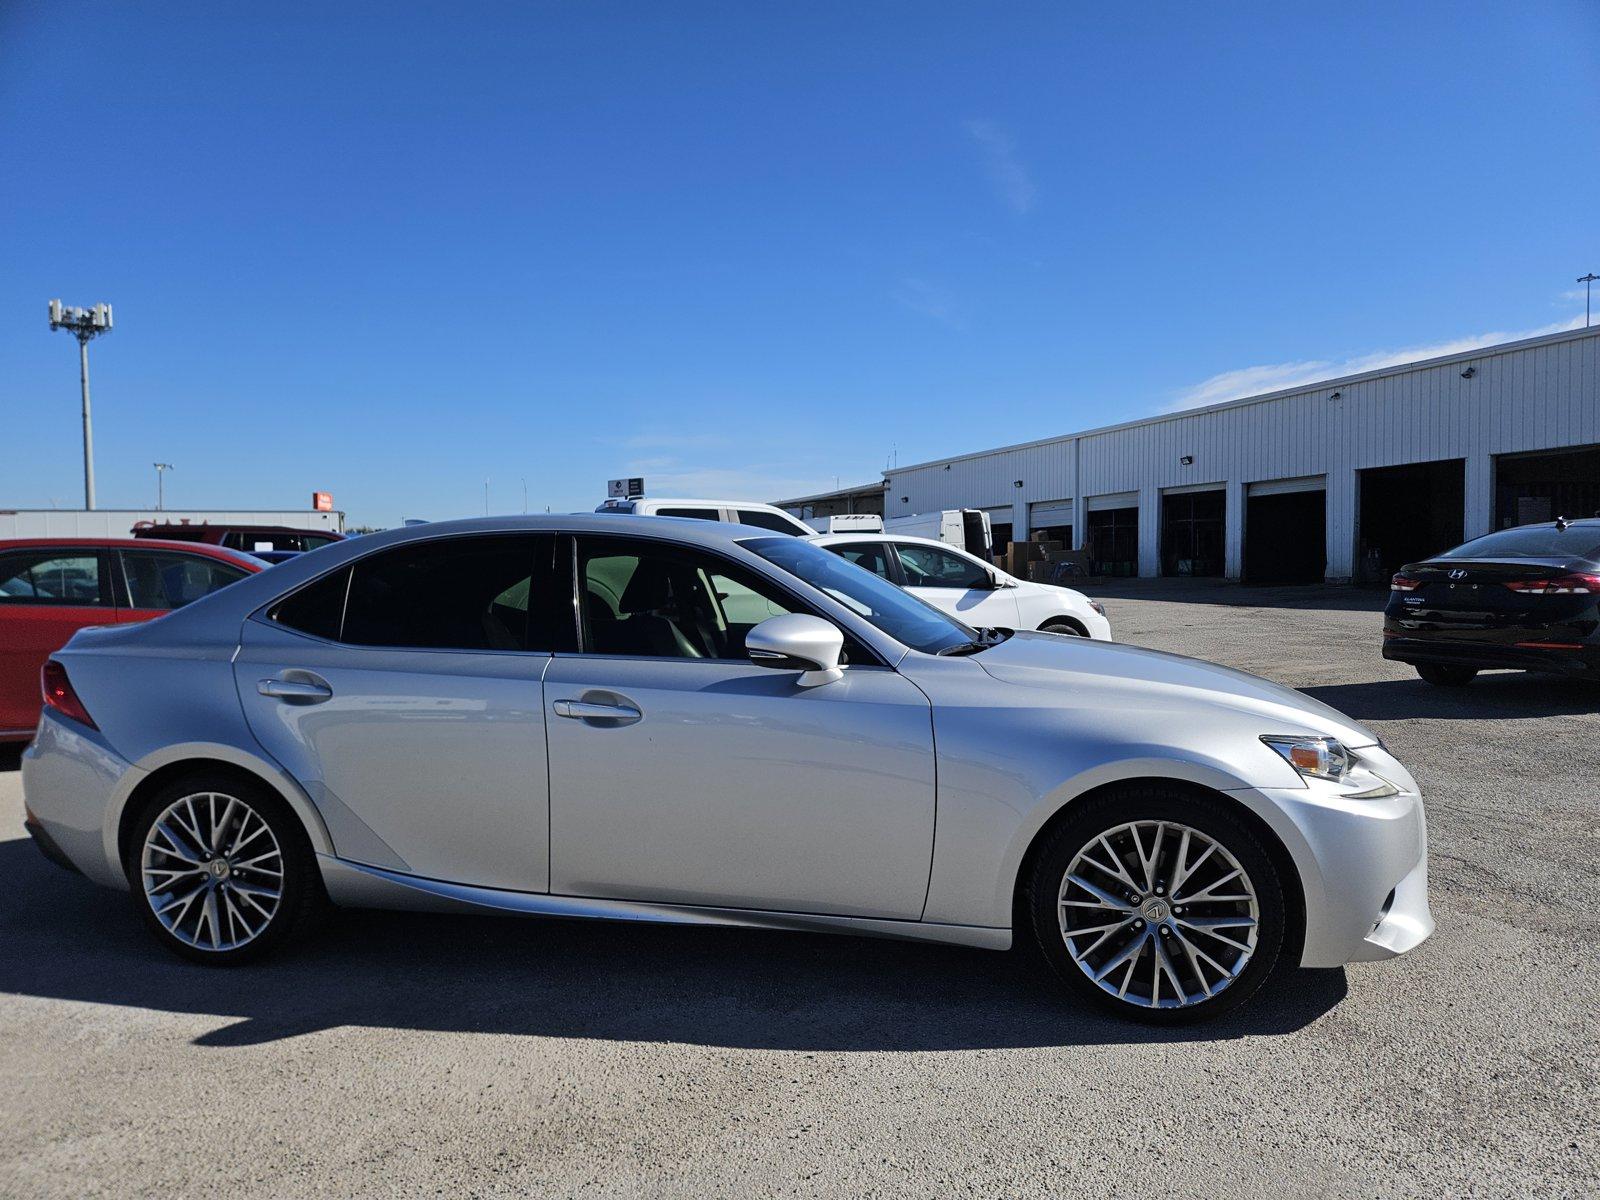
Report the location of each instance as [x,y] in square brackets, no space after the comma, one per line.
[212,871]
[1158,914]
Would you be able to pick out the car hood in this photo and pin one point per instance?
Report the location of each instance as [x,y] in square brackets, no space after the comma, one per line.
[1111,675]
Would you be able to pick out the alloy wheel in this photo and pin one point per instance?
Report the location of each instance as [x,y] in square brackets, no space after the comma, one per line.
[212,871]
[1158,914]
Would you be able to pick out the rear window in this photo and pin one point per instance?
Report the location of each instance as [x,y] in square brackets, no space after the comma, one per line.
[1532,541]
[70,578]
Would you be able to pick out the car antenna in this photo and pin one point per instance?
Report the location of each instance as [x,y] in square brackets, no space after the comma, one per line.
[1562,523]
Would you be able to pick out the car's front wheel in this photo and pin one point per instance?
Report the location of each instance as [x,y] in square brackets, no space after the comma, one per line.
[1158,904]
[1446,674]
[1063,627]
[221,869]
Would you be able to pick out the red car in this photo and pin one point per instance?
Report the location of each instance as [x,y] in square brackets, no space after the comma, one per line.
[52,587]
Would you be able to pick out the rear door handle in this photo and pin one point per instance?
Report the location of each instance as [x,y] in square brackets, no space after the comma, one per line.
[293,690]
[586,710]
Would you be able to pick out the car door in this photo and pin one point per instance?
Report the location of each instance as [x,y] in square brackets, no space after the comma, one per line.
[955,583]
[403,692]
[47,593]
[680,772]
[158,581]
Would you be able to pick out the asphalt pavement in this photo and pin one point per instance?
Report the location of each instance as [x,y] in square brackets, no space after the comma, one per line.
[476,1056]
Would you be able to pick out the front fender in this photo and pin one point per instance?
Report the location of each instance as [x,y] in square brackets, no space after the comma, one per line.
[991,810]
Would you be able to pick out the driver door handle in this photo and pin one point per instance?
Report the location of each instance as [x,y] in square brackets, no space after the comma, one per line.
[586,710]
[288,689]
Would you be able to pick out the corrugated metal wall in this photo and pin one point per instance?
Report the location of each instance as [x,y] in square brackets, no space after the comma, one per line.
[1542,394]
[118,522]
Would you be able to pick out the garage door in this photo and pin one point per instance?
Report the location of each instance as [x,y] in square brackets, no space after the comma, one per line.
[1286,531]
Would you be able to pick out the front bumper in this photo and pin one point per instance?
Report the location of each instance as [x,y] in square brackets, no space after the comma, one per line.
[1363,864]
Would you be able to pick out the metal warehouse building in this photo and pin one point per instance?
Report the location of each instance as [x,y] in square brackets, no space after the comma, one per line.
[1343,480]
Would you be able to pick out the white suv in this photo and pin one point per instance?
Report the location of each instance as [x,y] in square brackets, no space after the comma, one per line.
[738,512]
[968,588]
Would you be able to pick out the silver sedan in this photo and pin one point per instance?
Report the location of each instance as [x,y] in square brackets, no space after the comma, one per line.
[668,720]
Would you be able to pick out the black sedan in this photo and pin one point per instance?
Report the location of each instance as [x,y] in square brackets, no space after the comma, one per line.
[1526,598]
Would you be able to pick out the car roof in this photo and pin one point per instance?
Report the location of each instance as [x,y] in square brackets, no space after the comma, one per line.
[206,549]
[234,527]
[868,535]
[698,500]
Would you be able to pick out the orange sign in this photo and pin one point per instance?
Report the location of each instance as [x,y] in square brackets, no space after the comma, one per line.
[322,501]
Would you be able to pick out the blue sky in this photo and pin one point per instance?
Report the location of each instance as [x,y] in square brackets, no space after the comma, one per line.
[393,250]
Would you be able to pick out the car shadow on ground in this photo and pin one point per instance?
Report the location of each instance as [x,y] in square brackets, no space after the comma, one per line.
[10,756]
[1499,696]
[63,938]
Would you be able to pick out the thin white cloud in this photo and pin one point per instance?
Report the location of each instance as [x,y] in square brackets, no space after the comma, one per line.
[1272,377]
[1009,178]
[674,441]
[930,300]
[755,482]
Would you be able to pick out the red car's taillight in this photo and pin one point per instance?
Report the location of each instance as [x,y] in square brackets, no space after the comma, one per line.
[1564,585]
[59,695]
[1403,583]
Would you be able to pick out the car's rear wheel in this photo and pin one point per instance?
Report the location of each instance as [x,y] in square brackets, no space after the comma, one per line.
[1067,628]
[1446,674]
[1158,904]
[221,870]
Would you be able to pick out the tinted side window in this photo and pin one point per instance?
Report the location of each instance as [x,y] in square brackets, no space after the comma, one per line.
[870,555]
[765,520]
[929,566]
[53,576]
[699,514]
[463,593]
[648,599]
[317,609]
[165,579]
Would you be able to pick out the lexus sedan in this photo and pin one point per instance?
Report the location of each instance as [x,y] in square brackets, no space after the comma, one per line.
[1527,598]
[684,721]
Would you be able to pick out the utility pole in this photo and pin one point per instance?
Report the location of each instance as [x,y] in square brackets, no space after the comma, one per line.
[85,324]
[1586,280]
[161,468]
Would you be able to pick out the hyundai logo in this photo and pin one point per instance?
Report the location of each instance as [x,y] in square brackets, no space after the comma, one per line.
[1458,574]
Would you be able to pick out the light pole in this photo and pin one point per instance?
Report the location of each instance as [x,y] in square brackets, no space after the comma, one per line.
[161,469]
[1586,280]
[85,324]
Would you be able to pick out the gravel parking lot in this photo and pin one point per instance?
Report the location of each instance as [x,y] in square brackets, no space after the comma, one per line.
[403,1054]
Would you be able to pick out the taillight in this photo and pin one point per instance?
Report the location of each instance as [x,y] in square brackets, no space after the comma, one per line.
[1404,583]
[1564,585]
[59,695]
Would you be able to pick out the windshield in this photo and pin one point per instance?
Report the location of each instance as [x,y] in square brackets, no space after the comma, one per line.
[902,616]
[1532,541]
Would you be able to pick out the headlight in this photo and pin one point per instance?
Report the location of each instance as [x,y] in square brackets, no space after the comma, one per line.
[1097,606]
[1328,758]
[1318,757]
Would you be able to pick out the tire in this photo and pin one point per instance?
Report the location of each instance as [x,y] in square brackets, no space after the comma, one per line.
[1446,674]
[229,916]
[1068,628]
[1166,983]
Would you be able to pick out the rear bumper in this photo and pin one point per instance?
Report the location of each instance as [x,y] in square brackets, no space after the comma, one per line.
[1490,655]
[47,846]
[69,780]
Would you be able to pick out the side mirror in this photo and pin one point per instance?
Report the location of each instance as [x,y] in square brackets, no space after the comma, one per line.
[798,642]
